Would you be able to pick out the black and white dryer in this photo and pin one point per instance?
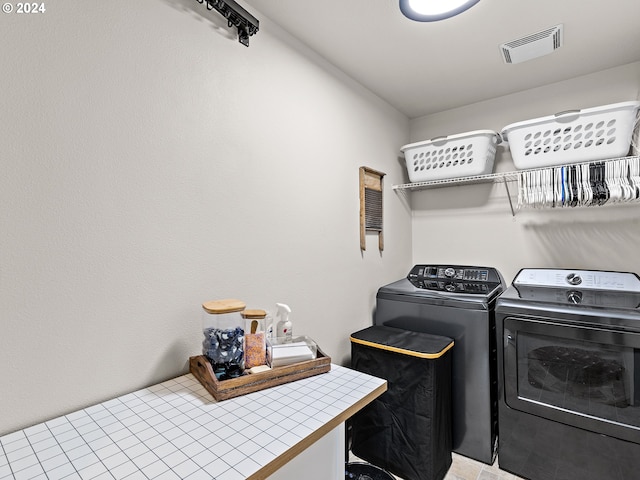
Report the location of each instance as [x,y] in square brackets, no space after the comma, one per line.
[569,375]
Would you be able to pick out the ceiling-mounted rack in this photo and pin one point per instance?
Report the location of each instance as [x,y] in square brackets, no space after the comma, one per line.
[236,16]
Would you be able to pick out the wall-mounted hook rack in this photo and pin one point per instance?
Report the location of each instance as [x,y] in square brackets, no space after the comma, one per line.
[236,16]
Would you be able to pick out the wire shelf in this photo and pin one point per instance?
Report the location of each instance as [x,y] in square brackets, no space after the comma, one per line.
[498,177]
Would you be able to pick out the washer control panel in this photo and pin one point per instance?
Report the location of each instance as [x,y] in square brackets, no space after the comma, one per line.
[454,278]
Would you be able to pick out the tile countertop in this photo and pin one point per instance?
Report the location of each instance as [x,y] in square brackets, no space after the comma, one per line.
[176,430]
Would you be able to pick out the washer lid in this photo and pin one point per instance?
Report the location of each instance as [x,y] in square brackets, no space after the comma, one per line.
[405,291]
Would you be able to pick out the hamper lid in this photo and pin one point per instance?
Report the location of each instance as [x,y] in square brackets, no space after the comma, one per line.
[228,305]
[415,344]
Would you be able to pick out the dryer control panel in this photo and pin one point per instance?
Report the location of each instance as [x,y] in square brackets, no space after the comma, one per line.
[454,278]
[579,287]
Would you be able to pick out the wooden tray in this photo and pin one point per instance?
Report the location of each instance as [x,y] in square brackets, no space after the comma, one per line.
[200,367]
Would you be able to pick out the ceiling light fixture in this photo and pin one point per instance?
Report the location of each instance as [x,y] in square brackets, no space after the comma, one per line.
[434,10]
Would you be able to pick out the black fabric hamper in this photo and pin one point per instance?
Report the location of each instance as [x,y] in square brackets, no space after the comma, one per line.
[406,430]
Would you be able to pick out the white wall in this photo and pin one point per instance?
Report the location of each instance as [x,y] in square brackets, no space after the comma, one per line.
[473,224]
[149,163]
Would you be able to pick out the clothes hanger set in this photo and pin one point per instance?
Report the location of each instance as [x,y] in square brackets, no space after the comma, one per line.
[587,184]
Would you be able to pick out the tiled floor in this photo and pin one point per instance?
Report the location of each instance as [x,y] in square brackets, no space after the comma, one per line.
[464,468]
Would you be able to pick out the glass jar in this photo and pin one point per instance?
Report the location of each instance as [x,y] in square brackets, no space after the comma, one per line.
[223,330]
[255,346]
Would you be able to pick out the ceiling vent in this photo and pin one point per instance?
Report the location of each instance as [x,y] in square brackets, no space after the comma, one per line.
[532,46]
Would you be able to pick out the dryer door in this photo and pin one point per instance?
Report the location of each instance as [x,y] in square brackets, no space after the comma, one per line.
[586,376]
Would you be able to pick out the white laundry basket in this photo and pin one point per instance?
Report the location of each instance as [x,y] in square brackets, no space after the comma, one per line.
[574,136]
[453,156]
